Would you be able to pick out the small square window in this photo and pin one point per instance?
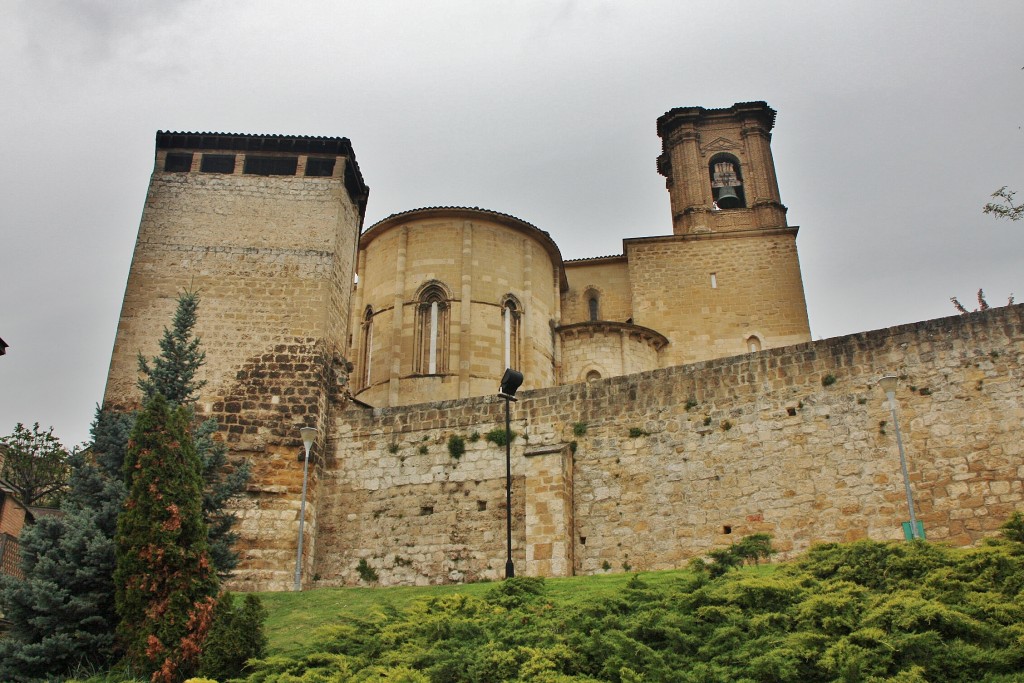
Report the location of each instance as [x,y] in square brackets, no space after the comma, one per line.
[318,166]
[270,165]
[217,163]
[178,162]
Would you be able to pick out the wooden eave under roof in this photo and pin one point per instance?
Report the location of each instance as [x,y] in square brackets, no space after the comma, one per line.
[274,144]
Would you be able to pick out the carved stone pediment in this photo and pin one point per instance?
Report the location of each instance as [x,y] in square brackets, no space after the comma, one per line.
[719,144]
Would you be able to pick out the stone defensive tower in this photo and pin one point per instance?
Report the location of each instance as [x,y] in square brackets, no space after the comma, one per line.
[264,228]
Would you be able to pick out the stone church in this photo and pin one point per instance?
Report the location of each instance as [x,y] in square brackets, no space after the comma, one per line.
[391,341]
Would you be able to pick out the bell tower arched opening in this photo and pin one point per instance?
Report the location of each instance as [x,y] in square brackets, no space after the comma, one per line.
[726,182]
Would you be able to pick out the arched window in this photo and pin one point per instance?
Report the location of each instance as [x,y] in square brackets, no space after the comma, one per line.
[511,318]
[726,182]
[593,304]
[593,376]
[753,344]
[432,310]
[366,347]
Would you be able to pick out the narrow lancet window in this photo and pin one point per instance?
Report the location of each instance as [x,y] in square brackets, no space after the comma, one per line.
[511,315]
[593,305]
[432,314]
[366,347]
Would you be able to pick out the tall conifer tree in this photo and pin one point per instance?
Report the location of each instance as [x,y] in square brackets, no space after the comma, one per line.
[173,374]
[62,614]
[164,580]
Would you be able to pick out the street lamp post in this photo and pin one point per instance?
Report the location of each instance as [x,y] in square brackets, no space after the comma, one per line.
[510,382]
[888,384]
[308,436]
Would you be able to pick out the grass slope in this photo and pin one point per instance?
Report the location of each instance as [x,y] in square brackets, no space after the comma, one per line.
[866,611]
[294,616]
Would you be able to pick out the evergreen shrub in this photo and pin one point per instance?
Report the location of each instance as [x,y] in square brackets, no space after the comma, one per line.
[865,611]
[236,636]
[165,583]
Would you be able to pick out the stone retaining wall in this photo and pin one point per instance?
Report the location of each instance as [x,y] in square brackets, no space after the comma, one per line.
[648,470]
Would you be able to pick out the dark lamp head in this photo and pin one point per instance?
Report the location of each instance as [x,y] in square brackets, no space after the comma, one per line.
[510,382]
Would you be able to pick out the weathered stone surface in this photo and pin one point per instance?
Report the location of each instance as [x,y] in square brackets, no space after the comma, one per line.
[781,453]
[680,445]
[272,260]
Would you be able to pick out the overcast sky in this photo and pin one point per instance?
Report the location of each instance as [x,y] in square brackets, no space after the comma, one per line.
[896,121]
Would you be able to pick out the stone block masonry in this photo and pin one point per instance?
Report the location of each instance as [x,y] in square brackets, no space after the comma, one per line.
[645,471]
[679,446]
[271,257]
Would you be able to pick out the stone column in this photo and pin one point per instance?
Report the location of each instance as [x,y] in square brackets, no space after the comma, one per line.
[622,353]
[355,351]
[525,343]
[396,319]
[689,186]
[760,172]
[556,339]
[465,360]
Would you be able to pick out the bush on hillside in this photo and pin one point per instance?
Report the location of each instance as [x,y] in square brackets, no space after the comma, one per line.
[895,612]
[235,637]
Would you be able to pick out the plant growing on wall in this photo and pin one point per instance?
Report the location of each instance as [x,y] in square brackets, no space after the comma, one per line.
[366,572]
[499,437]
[456,446]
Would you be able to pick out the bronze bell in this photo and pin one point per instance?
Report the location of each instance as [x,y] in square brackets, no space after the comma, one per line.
[727,198]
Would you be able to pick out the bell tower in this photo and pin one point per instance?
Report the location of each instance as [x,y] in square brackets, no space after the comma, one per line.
[719,170]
